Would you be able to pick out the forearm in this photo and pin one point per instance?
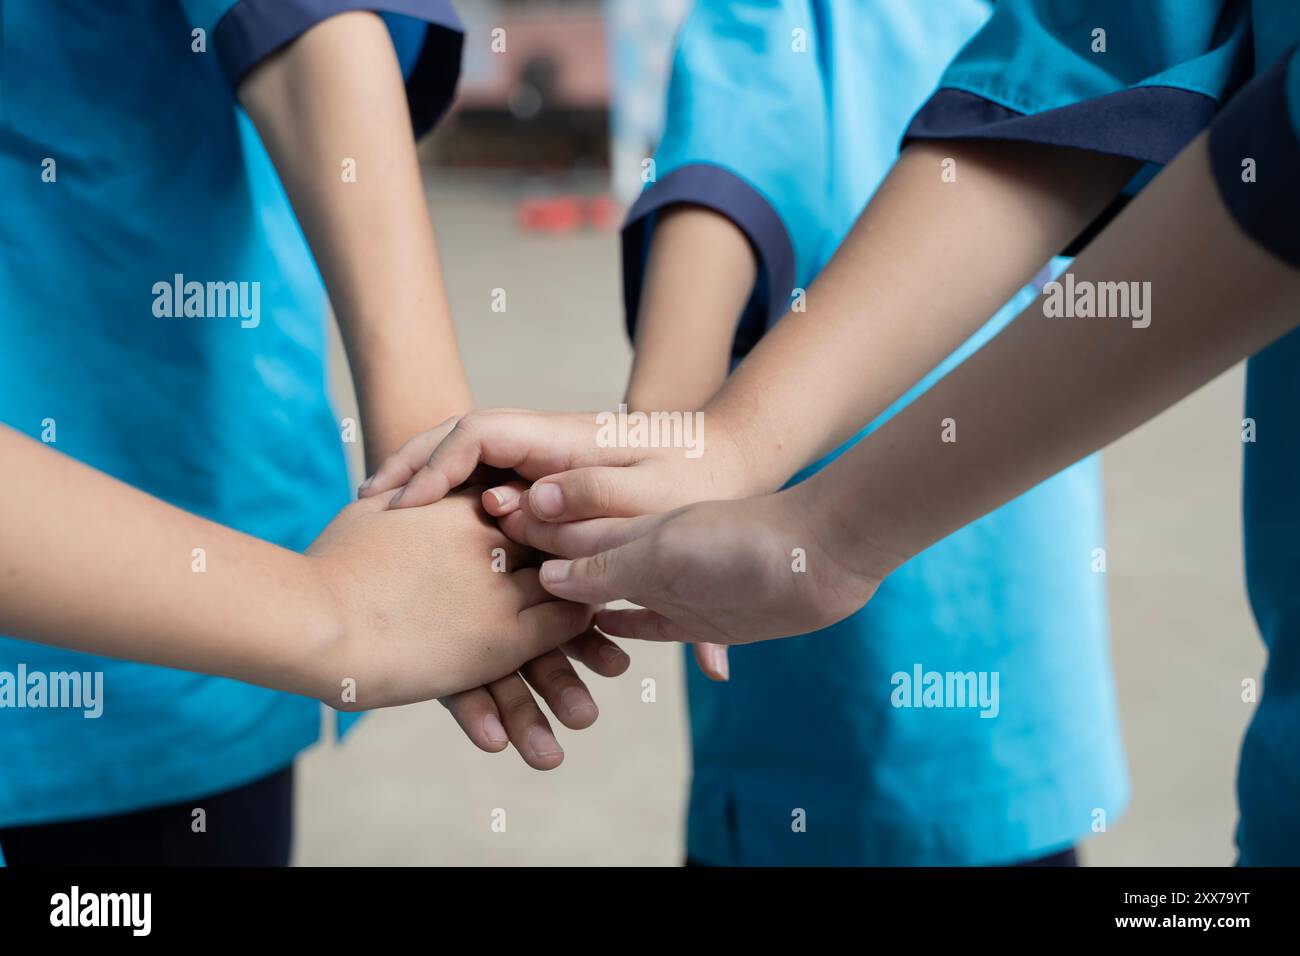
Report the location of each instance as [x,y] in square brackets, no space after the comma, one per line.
[335,96]
[699,275]
[1048,391]
[925,266]
[91,564]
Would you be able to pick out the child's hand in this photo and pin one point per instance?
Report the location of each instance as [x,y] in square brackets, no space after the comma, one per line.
[505,710]
[427,603]
[723,572]
[582,475]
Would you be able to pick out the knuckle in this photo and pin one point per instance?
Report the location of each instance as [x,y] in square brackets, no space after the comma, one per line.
[520,706]
[595,491]
[555,678]
[601,564]
[597,564]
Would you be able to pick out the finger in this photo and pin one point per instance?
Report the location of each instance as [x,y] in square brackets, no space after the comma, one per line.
[450,463]
[398,467]
[528,590]
[555,680]
[476,713]
[594,492]
[643,625]
[598,653]
[712,660]
[503,499]
[545,626]
[576,539]
[532,445]
[527,726]
[622,572]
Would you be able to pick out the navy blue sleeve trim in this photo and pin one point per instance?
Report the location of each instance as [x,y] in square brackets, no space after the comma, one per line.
[254,29]
[1149,123]
[1256,124]
[719,189]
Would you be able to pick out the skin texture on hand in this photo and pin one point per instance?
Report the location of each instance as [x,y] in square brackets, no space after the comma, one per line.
[726,572]
[505,710]
[597,479]
[430,602]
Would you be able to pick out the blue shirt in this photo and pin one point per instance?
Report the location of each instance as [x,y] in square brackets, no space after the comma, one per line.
[784,117]
[1034,75]
[129,170]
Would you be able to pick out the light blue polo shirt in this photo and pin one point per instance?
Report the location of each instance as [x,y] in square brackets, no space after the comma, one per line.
[127,170]
[785,117]
[1156,75]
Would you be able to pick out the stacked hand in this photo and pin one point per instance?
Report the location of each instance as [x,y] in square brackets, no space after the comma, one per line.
[725,572]
[577,474]
[721,572]
[450,564]
[582,476]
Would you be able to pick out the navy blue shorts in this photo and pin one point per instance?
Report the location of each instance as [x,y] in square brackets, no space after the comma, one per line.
[250,825]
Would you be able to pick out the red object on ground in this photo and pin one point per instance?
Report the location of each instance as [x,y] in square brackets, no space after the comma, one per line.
[553,214]
[603,213]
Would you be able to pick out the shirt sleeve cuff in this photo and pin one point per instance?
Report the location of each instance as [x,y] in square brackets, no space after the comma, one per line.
[1148,123]
[254,29]
[717,188]
[1256,126]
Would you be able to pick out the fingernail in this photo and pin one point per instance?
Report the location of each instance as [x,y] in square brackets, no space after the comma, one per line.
[553,572]
[504,497]
[576,704]
[546,500]
[361,490]
[718,662]
[543,744]
[397,497]
[493,730]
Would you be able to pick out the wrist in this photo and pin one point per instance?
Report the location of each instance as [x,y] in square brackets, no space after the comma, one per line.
[384,435]
[750,467]
[842,529]
[313,647]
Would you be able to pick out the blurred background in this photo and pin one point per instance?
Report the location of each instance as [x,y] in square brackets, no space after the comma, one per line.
[527,180]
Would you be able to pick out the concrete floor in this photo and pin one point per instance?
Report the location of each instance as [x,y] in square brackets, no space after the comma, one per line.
[406,788]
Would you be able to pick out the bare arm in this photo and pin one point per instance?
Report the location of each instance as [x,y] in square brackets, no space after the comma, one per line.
[1044,393]
[698,278]
[927,264]
[1048,391]
[336,94]
[91,564]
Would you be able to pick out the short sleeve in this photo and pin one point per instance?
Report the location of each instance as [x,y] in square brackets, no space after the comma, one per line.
[1255,157]
[746,136]
[427,35]
[1128,79]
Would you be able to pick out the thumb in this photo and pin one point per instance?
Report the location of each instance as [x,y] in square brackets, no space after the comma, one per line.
[597,491]
[605,576]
